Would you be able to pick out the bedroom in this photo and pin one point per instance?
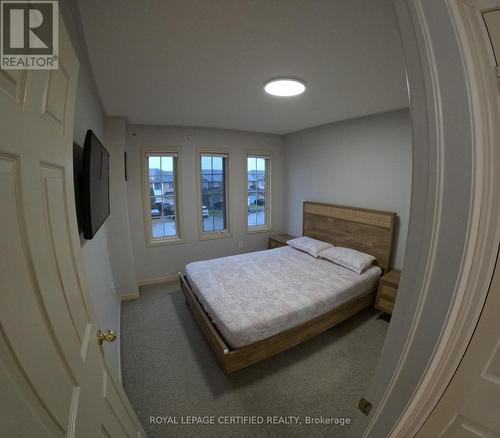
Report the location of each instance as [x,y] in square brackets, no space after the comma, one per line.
[214,309]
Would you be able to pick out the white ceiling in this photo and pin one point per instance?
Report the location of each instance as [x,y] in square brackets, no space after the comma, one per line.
[204,62]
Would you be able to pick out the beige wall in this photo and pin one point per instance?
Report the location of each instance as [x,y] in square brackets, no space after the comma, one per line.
[364,162]
[160,261]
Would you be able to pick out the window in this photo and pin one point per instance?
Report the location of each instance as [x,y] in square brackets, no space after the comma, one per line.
[161,206]
[258,192]
[213,195]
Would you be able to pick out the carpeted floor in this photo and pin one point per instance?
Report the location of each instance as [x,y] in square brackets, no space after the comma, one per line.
[169,370]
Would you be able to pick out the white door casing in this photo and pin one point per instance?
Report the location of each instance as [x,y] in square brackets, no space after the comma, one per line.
[470,405]
[53,377]
[454,229]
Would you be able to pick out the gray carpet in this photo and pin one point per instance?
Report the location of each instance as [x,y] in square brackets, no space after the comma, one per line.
[170,370]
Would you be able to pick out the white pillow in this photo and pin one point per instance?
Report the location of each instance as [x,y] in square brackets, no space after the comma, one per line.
[348,258]
[311,246]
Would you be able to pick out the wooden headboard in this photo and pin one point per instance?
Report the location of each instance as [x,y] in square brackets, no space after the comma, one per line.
[369,231]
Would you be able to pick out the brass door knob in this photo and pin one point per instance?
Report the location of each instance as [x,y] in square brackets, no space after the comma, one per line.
[108,336]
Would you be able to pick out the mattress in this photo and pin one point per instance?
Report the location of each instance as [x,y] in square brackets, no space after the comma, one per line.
[252,296]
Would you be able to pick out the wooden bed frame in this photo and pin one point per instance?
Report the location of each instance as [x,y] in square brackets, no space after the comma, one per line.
[370,231]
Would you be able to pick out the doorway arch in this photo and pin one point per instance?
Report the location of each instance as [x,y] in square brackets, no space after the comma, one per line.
[454,228]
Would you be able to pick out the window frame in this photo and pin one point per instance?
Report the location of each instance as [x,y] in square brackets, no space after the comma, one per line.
[267,227]
[226,232]
[146,152]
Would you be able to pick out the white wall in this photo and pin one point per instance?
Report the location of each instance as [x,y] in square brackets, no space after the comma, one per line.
[364,162]
[95,253]
[120,243]
[160,261]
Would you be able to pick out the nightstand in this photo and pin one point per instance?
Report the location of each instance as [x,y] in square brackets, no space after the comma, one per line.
[387,289]
[279,240]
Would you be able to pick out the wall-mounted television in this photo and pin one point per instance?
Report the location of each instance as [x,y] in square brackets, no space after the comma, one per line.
[94,185]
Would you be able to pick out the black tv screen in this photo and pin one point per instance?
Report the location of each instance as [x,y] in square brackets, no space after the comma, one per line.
[94,185]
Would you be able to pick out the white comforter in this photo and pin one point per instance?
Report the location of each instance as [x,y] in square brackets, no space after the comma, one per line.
[250,297]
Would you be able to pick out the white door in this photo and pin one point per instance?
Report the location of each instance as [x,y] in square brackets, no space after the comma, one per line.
[470,406]
[53,379]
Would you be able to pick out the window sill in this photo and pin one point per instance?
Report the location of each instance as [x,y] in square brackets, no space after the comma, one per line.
[215,235]
[257,230]
[164,242]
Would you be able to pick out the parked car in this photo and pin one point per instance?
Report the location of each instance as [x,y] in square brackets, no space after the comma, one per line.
[155,212]
[168,210]
[256,203]
[204,211]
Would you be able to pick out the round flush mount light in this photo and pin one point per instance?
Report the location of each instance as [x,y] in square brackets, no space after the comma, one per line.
[284,87]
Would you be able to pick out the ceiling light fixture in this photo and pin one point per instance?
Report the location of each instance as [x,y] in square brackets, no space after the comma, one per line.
[284,87]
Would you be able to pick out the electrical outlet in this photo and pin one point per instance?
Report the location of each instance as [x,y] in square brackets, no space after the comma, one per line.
[365,406]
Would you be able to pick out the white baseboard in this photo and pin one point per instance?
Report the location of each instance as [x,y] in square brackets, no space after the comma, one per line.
[128,297]
[166,279]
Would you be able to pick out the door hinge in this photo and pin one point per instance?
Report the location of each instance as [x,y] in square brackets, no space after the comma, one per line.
[365,406]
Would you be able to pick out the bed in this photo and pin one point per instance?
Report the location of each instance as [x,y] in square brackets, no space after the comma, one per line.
[253,306]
